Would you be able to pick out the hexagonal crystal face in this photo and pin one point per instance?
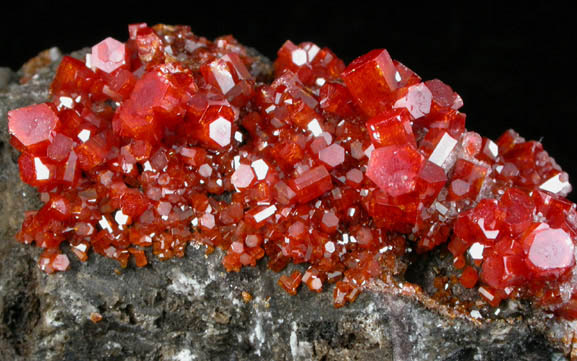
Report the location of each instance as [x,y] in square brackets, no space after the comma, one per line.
[33,124]
[332,155]
[330,222]
[242,176]
[550,249]
[299,57]
[108,55]
[220,131]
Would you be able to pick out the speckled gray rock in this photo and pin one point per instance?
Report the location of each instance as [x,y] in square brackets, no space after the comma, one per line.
[5,77]
[190,309]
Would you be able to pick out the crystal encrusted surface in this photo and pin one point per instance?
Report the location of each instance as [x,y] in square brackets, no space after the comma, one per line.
[168,139]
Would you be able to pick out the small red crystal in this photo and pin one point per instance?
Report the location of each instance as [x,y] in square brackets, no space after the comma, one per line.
[469,277]
[243,176]
[51,261]
[37,171]
[332,156]
[311,184]
[291,283]
[467,180]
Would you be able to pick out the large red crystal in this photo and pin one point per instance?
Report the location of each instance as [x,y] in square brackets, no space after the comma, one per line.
[109,55]
[169,139]
[371,80]
[394,168]
[33,126]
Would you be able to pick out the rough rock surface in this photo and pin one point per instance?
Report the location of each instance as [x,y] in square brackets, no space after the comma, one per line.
[190,309]
[5,77]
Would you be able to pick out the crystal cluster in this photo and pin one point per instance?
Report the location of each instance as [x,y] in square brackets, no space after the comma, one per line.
[169,139]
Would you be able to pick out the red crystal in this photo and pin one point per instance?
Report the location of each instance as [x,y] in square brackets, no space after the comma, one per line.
[225,72]
[170,139]
[443,96]
[108,55]
[479,224]
[291,283]
[37,171]
[311,184]
[505,271]
[371,80]
[334,98]
[467,180]
[549,251]
[312,64]
[430,181]
[34,125]
[332,156]
[133,203]
[214,128]
[329,222]
[243,176]
[518,210]
[391,128]
[314,279]
[394,168]
[51,261]
[469,277]
[417,100]
[60,147]
[73,78]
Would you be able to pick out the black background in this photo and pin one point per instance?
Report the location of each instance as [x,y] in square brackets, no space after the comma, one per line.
[514,66]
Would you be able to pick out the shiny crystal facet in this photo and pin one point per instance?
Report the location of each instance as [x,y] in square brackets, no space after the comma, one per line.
[394,168]
[108,55]
[33,124]
[371,80]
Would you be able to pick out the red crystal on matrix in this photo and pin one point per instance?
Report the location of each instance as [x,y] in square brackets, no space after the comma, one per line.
[332,166]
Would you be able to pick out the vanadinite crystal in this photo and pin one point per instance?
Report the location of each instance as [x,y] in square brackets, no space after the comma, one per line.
[169,139]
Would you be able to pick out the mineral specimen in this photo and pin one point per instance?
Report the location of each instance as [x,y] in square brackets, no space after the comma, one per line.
[169,139]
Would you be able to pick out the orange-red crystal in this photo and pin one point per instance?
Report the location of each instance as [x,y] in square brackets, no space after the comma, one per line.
[169,139]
